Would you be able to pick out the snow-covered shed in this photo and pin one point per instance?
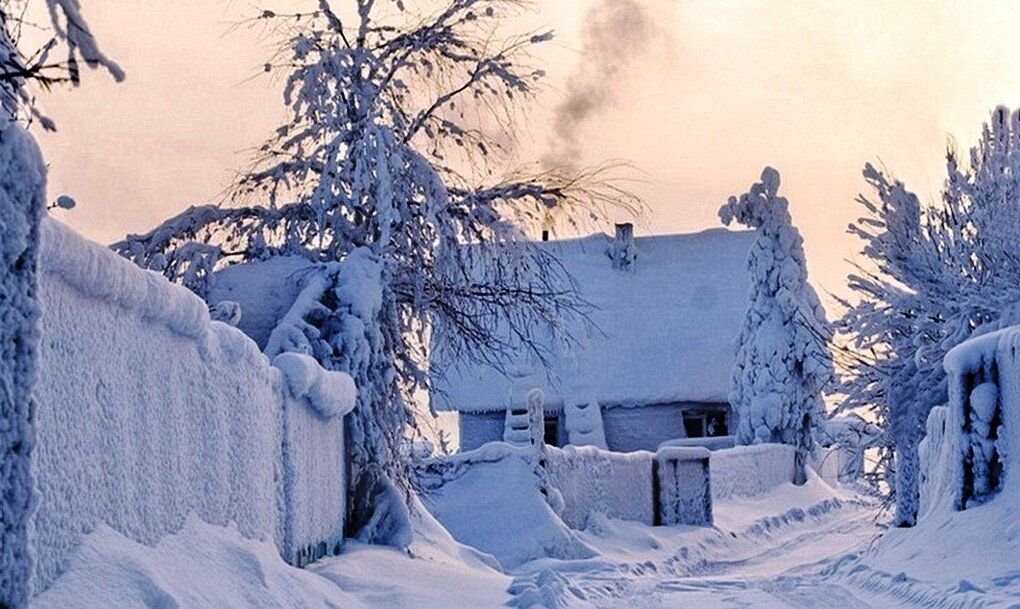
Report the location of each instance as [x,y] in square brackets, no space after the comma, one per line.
[657,365]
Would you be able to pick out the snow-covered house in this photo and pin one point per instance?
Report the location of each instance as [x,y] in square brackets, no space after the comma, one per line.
[668,312]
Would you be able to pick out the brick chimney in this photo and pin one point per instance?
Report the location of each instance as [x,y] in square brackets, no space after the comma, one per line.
[622,251]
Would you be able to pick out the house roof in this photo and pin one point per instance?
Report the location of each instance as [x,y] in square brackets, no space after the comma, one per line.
[667,328]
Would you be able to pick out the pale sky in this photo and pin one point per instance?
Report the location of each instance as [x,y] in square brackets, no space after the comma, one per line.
[814,89]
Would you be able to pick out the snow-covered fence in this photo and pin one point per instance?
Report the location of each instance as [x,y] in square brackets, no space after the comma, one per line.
[683,485]
[148,412]
[22,178]
[936,462]
[314,490]
[982,422]
[747,471]
[591,480]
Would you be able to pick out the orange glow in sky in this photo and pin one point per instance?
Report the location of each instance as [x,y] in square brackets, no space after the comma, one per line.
[815,89]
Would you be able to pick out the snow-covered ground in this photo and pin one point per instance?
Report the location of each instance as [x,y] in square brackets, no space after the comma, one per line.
[808,546]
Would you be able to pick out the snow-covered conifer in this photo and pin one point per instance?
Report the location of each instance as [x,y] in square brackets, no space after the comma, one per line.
[782,360]
[396,131]
[933,275]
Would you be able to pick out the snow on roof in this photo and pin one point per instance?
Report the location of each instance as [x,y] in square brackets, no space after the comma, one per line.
[668,326]
[266,290]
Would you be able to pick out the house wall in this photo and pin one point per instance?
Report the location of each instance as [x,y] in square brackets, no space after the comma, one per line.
[646,427]
[627,429]
[478,428]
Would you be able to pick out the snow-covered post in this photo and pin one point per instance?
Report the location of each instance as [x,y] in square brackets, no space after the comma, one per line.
[21,207]
[526,426]
[782,360]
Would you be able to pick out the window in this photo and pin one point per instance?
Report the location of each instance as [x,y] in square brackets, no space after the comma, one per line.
[705,423]
[552,431]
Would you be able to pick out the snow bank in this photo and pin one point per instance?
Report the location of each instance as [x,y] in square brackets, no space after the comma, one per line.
[496,499]
[150,412]
[199,567]
[593,481]
[747,471]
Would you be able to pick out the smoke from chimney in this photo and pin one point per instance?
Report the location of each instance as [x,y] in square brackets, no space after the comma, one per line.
[615,34]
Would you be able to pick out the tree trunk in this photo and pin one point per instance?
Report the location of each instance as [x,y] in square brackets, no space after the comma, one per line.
[907,491]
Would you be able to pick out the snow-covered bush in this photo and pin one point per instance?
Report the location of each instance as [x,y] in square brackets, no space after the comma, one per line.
[783,361]
[934,275]
[389,115]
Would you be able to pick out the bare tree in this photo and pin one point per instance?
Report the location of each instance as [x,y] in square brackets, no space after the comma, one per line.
[385,168]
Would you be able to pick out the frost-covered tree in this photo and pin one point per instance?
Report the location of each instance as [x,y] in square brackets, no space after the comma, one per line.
[22,203]
[782,362]
[933,276]
[58,60]
[397,125]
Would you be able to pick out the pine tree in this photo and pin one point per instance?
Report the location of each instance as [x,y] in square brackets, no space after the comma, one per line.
[395,131]
[782,362]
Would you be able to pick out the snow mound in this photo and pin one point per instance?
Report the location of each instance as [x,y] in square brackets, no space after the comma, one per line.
[948,559]
[496,500]
[208,567]
[264,290]
[201,567]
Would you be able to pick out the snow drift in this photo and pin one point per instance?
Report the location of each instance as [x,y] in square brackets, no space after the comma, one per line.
[496,499]
[150,412]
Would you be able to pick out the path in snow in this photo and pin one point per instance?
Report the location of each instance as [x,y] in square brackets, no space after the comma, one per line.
[800,563]
[780,573]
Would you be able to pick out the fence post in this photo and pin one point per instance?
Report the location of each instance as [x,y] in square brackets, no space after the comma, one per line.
[684,486]
[21,209]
